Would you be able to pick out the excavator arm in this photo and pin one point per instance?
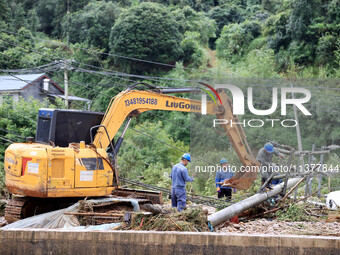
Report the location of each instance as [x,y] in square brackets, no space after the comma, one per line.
[131,103]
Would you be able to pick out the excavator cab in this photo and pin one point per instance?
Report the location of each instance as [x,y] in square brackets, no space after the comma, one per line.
[62,127]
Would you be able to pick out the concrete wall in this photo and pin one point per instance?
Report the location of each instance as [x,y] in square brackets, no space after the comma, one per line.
[160,243]
[14,95]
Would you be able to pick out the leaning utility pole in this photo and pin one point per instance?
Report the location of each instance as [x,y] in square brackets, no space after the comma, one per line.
[298,134]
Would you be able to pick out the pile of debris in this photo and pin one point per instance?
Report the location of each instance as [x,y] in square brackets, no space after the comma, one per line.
[89,212]
[192,219]
[150,217]
[118,214]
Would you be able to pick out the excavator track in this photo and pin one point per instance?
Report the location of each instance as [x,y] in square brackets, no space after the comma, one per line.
[13,211]
[23,207]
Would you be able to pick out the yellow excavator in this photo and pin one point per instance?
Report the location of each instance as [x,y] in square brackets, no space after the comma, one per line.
[70,155]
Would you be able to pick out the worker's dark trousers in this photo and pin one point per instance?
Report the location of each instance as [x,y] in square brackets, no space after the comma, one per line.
[178,198]
[224,192]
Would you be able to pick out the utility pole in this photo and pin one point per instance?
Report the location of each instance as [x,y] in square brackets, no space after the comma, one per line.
[66,84]
[66,61]
[308,187]
[298,134]
[68,22]
[66,65]
[321,169]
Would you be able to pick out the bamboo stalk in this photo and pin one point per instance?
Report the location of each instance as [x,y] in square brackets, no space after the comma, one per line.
[175,223]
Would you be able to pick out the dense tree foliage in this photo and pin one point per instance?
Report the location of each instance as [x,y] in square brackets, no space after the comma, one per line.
[147,31]
[91,25]
[235,40]
[301,32]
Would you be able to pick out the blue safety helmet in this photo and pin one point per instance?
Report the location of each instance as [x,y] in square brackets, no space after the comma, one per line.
[269,147]
[186,156]
[223,160]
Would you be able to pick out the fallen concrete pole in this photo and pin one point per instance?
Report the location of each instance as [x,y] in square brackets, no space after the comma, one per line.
[235,209]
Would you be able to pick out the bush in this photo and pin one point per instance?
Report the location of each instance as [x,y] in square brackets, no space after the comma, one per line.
[295,212]
[261,63]
[17,121]
[192,51]
[235,39]
[230,44]
[141,155]
[325,49]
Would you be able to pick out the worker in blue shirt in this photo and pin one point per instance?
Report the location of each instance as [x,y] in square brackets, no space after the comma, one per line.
[265,157]
[221,175]
[179,176]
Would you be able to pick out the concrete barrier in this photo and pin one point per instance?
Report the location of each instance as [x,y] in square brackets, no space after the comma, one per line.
[39,241]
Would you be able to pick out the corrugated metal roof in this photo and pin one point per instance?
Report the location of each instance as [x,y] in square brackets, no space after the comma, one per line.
[8,82]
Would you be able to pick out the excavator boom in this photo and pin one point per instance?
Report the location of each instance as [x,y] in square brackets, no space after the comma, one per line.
[132,103]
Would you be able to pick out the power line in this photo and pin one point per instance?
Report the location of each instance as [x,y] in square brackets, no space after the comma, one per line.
[37,52]
[110,54]
[11,132]
[128,75]
[194,129]
[155,78]
[188,127]
[34,51]
[6,139]
[261,103]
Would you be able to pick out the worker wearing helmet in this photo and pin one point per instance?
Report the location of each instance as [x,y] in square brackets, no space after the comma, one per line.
[265,157]
[179,176]
[222,174]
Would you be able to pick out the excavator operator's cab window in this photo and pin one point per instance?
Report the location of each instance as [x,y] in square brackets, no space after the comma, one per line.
[62,127]
[44,125]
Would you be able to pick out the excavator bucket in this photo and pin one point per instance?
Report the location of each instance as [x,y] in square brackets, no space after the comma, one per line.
[241,181]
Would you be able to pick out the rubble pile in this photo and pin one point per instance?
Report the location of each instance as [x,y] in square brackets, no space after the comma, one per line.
[277,218]
[192,219]
[149,217]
